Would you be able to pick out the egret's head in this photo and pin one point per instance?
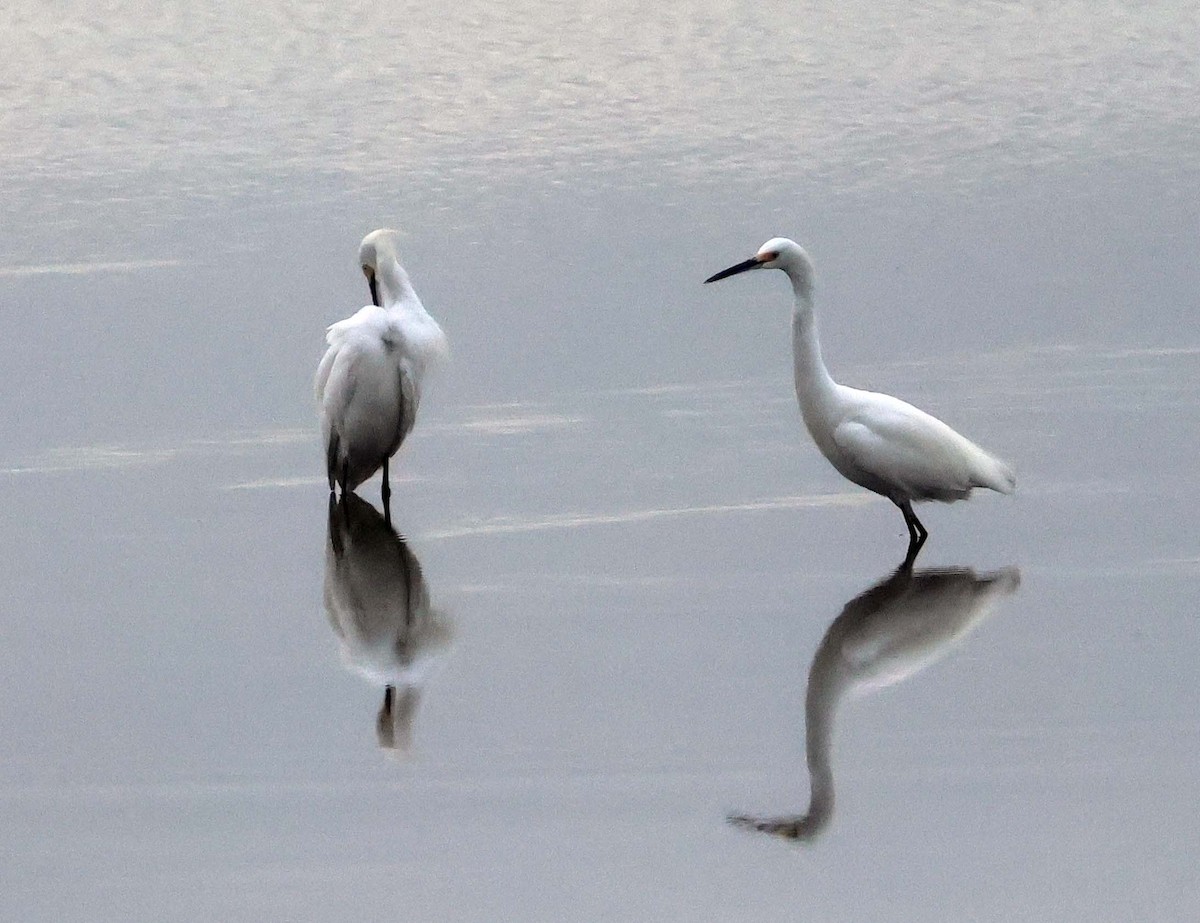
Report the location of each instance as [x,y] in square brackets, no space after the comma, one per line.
[376,248]
[776,253]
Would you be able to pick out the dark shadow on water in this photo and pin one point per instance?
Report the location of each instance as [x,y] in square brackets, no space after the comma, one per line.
[884,635]
[378,605]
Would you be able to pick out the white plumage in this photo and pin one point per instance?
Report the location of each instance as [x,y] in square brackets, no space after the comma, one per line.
[875,440]
[368,385]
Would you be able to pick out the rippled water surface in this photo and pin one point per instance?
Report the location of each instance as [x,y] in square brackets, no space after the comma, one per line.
[628,614]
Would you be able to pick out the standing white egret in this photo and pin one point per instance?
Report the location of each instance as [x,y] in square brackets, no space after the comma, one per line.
[875,440]
[368,384]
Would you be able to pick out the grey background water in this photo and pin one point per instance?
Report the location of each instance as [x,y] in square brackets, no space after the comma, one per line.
[634,546]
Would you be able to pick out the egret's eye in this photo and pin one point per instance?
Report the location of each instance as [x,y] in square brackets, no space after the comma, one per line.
[769,256]
[367,271]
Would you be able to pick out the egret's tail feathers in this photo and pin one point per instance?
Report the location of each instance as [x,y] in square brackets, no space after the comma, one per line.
[998,476]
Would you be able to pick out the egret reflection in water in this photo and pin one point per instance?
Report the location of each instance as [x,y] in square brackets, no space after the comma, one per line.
[378,605]
[883,636]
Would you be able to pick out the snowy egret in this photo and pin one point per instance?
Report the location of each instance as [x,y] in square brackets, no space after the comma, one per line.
[875,440]
[378,605]
[894,630]
[368,384]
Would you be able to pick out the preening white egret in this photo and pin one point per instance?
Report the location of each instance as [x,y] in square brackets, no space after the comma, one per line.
[368,384]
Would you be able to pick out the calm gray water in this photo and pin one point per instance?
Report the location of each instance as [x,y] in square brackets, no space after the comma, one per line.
[632,599]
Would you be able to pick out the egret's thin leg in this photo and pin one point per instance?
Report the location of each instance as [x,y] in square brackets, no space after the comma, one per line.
[917,533]
[922,532]
[387,494]
[345,478]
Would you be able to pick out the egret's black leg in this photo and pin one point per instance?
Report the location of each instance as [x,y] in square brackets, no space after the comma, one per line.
[916,533]
[345,476]
[922,532]
[387,495]
[331,457]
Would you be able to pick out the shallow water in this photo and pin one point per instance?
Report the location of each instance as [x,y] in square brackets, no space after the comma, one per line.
[629,552]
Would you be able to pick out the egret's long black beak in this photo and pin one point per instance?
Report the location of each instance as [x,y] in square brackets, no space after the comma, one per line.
[374,289]
[751,263]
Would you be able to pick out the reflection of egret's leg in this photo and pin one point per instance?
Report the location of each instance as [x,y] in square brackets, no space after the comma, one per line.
[393,724]
[335,533]
[385,731]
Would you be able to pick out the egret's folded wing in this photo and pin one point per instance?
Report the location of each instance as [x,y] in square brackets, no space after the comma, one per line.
[906,447]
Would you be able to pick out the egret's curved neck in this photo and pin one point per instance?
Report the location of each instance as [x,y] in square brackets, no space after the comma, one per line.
[814,385]
[394,287]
